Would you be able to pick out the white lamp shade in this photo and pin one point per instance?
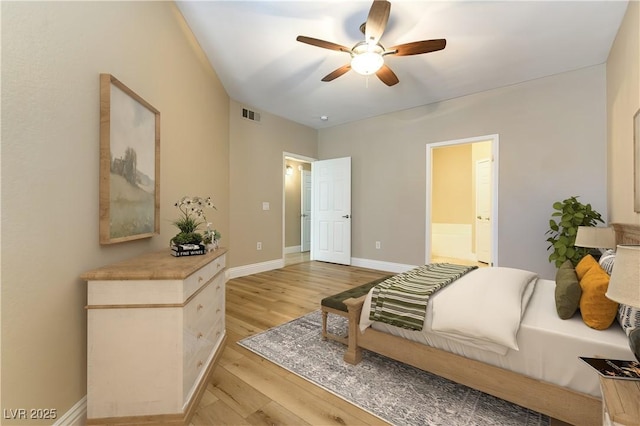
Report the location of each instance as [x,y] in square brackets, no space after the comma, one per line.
[595,237]
[367,63]
[367,58]
[624,285]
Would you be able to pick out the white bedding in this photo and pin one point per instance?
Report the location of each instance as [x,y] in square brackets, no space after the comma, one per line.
[549,347]
[484,308]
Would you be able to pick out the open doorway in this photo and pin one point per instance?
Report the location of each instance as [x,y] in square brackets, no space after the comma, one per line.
[296,210]
[462,193]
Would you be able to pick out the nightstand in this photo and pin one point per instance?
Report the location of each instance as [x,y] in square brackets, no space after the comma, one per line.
[620,402]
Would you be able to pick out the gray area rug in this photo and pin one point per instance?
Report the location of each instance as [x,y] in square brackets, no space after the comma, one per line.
[395,392]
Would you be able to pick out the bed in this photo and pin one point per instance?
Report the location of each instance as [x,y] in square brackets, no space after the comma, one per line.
[544,375]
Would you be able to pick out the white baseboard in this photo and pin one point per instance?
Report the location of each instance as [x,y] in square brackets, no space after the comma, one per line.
[381,265]
[292,249]
[241,271]
[76,416]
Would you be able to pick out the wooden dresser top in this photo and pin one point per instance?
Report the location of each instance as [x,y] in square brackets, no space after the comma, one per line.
[159,265]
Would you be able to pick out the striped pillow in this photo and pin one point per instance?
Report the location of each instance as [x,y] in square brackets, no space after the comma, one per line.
[607,259]
[628,316]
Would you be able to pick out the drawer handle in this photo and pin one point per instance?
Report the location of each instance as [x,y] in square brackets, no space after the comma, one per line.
[200,335]
[199,307]
[217,333]
[200,364]
[218,266]
[217,310]
[217,287]
[200,279]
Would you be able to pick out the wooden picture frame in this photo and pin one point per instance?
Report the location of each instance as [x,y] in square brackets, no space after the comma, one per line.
[129,164]
[636,162]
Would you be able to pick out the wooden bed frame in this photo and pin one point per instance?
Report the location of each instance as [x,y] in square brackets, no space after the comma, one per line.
[555,401]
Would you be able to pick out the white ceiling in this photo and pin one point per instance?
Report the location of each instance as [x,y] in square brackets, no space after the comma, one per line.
[252,47]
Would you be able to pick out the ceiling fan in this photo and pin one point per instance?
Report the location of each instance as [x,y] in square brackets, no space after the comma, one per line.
[367,56]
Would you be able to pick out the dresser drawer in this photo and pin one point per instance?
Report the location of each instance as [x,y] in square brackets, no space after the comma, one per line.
[203,328]
[200,351]
[205,307]
[196,280]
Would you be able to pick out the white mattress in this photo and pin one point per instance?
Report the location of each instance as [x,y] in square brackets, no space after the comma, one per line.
[549,346]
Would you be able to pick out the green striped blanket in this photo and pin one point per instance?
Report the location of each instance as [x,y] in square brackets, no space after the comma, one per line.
[402,299]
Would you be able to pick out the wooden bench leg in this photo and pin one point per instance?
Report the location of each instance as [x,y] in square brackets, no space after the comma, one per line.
[353,355]
[324,324]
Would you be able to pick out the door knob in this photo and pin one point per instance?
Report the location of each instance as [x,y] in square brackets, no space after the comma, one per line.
[346,216]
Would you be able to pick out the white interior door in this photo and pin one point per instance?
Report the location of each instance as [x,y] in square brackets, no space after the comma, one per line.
[483,211]
[305,208]
[331,211]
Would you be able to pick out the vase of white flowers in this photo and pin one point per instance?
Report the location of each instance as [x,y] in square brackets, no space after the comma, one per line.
[211,238]
[189,241]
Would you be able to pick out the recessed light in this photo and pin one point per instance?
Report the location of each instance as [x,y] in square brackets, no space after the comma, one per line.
[324,118]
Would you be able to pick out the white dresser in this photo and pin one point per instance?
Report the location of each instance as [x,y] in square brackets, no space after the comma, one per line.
[155,328]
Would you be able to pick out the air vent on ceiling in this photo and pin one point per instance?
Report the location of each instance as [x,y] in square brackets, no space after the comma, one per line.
[250,115]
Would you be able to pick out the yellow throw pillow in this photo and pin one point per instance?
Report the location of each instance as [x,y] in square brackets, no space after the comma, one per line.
[584,265]
[597,310]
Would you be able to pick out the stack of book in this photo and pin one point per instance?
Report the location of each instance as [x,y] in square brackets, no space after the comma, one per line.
[187,249]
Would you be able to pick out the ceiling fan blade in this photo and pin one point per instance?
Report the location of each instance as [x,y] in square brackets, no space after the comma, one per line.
[418,47]
[337,73]
[321,43]
[377,20]
[387,76]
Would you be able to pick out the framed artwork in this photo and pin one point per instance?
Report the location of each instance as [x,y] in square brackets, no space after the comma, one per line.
[129,164]
[636,162]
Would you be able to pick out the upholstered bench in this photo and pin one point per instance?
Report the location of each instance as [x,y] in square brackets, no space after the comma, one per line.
[335,305]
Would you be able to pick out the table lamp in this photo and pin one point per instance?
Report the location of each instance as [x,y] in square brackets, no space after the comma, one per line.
[624,286]
[595,237]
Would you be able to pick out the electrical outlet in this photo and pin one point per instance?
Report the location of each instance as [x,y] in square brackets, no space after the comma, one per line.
[259,246]
[378,245]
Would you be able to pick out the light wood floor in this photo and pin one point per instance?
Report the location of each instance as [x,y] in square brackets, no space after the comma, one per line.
[291,258]
[247,390]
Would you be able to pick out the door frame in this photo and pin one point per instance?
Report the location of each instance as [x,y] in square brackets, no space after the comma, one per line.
[297,157]
[303,175]
[494,190]
[475,212]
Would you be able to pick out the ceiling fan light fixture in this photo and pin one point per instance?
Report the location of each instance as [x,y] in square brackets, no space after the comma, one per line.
[367,58]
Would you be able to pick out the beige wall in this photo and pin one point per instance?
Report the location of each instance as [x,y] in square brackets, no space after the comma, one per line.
[551,130]
[623,100]
[52,55]
[452,185]
[257,176]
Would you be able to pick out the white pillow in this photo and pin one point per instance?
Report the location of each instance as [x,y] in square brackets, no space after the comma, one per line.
[484,308]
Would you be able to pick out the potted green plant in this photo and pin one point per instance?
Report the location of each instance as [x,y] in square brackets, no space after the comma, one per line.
[211,237]
[191,217]
[571,214]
